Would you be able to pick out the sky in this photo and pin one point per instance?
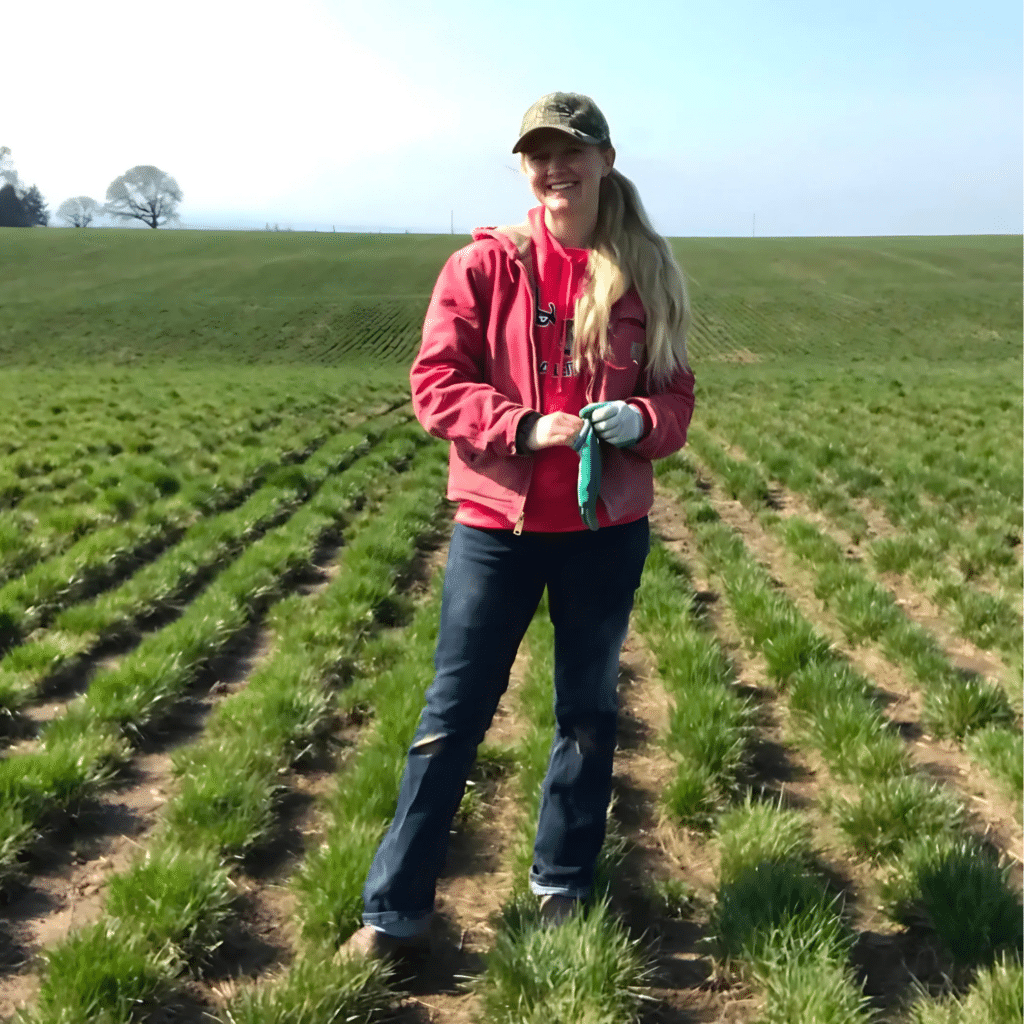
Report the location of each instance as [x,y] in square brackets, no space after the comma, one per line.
[777,118]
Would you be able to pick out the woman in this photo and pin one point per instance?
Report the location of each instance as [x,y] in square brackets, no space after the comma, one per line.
[581,309]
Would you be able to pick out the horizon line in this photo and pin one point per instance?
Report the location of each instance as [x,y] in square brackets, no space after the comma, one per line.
[362,230]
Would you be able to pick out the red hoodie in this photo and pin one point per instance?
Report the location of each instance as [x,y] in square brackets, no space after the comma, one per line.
[476,376]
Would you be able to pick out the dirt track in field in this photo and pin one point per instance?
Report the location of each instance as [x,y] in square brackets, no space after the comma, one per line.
[915,603]
[990,811]
[65,882]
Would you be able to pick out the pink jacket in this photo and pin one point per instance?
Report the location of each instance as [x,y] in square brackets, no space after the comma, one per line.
[475,377]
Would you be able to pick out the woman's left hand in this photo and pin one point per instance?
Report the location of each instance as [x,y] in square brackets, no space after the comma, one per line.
[618,423]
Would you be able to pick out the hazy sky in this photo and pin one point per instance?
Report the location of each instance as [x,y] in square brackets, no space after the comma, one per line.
[851,117]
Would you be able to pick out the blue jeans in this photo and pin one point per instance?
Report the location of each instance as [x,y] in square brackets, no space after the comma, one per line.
[492,587]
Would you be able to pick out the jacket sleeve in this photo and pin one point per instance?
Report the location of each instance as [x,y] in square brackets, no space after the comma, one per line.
[669,413]
[450,396]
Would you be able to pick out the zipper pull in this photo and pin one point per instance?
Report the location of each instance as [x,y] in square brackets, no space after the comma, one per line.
[519,523]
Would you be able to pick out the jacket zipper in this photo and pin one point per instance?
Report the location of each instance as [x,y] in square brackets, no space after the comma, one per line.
[535,303]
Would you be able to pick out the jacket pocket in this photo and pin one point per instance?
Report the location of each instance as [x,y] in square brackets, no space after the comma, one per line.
[627,339]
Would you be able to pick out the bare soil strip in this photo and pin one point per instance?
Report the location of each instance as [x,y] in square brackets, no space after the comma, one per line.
[886,957]
[65,885]
[471,891]
[916,604]
[990,812]
[682,987]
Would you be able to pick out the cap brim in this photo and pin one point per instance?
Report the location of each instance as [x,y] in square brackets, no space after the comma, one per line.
[571,132]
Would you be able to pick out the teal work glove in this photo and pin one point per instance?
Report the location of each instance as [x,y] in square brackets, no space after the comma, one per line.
[588,481]
[618,422]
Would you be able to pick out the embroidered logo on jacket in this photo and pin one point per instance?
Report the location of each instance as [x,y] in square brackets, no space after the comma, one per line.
[546,317]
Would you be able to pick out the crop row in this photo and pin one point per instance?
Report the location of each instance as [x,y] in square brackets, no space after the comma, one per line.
[955,520]
[76,452]
[385,331]
[205,546]
[969,709]
[775,916]
[170,909]
[82,749]
[126,494]
[63,472]
[101,557]
[772,911]
[913,827]
[772,916]
[938,548]
[74,469]
[972,474]
[725,325]
[987,619]
[103,412]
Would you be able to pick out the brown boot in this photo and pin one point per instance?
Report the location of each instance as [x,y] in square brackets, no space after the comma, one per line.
[556,910]
[371,944]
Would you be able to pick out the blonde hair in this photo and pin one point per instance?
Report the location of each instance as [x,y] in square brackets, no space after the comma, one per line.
[625,251]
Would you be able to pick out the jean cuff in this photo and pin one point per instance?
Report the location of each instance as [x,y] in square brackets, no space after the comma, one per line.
[573,892]
[397,925]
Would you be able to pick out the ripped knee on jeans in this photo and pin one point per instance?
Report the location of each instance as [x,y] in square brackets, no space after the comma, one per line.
[430,745]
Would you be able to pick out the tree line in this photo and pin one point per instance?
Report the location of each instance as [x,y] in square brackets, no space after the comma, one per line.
[142,193]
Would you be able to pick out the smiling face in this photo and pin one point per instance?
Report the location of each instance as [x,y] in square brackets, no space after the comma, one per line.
[565,174]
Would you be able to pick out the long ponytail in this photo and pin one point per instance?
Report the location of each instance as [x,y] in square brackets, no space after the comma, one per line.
[626,250]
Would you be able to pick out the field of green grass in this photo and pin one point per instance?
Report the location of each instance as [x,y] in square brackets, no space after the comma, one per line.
[222,539]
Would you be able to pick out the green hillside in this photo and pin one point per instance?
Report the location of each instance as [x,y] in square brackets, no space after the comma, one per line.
[222,542]
[124,295]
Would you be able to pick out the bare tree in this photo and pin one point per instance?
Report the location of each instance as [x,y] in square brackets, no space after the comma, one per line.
[79,212]
[144,193]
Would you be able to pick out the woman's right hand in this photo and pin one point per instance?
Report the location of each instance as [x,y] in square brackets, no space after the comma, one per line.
[557,428]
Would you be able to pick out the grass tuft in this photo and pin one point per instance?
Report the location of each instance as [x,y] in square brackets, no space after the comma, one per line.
[588,969]
[956,887]
[711,727]
[315,989]
[959,706]
[891,813]
[103,973]
[792,649]
[691,797]
[995,997]
[225,802]
[773,911]
[820,989]
[1002,753]
[329,884]
[175,895]
[751,833]
[857,742]
[819,683]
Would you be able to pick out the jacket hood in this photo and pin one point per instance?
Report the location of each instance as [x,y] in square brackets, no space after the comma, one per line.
[513,238]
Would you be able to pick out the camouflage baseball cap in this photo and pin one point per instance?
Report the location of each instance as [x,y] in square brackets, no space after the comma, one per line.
[569,112]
